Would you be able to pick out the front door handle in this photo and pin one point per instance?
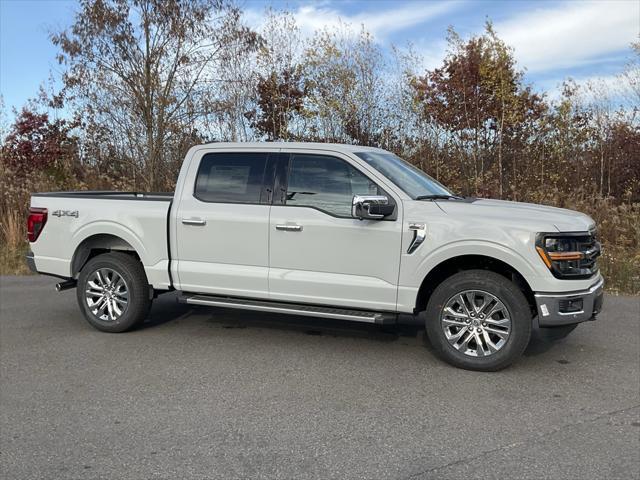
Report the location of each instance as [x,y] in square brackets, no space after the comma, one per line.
[289,228]
[194,221]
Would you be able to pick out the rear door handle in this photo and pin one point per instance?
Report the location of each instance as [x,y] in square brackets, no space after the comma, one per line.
[194,221]
[289,228]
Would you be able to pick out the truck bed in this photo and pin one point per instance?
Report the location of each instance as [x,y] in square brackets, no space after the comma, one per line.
[76,219]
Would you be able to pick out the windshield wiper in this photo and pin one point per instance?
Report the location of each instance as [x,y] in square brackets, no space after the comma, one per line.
[437,197]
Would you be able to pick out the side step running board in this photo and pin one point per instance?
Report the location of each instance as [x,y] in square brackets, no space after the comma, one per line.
[288,308]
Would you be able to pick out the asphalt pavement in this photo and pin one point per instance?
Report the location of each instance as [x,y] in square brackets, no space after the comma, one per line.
[218,394]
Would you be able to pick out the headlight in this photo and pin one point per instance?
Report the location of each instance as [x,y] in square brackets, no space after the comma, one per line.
[569,255]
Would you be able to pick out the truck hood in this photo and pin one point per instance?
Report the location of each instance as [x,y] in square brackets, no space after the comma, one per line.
[515,212]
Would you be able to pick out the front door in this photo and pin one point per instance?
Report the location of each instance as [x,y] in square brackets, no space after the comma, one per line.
[222,228]
[318,253]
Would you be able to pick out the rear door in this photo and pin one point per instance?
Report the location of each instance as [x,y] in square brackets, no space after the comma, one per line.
[319,254]
[222,224]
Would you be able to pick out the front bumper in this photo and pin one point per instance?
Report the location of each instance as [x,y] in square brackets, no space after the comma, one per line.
[566,308]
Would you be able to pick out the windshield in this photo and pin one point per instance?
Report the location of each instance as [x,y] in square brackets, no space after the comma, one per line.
[413,181]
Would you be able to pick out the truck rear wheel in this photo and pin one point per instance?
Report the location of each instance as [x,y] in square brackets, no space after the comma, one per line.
[478,320]
[113,292]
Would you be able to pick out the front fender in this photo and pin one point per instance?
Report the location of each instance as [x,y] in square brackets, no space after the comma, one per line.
[415,268]
[484,248]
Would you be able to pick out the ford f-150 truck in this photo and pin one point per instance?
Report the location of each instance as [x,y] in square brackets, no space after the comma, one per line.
[325,230]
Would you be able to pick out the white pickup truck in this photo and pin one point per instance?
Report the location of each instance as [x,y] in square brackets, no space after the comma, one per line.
[325,230]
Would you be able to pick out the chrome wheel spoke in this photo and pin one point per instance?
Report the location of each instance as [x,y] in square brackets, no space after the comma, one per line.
[465,340]
[116,308]
[463,304]
[501,333]
[452,321]
[476,323]
[95,305]
[492,346]
[480,350]
[500,323]
[121,294]
[451,312]
[94,286]
[110,309]
[103,305]
[456,336]
[486,302]
[497,306]
[470,297]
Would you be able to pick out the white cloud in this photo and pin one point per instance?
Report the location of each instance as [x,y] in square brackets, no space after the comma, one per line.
[380,23]
[550,39]
[571,34]
[606,89]
[432,53]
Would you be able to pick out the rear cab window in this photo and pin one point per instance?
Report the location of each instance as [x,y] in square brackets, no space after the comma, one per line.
[232,177]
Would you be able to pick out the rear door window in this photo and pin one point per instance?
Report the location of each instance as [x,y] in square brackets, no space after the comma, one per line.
[236,177]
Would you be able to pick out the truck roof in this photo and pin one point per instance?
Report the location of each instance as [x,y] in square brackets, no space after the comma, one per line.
[340,147]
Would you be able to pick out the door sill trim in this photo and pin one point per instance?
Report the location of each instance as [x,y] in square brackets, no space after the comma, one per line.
[366,316]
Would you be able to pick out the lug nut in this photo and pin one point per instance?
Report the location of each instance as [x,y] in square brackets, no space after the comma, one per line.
[484,324]
[468,321]
[478,329]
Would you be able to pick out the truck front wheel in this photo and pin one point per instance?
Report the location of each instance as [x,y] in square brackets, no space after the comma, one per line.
[478,320]
[113,292]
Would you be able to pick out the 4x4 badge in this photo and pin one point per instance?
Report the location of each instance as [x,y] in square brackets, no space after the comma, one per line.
[65,213]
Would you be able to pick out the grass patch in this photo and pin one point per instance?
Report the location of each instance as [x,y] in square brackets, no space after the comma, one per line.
[13,245]
[12,260]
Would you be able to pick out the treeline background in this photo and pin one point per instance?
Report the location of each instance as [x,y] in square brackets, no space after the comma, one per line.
[144,80]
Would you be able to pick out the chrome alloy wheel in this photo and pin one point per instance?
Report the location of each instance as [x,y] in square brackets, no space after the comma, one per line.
[476,323]
[106,294]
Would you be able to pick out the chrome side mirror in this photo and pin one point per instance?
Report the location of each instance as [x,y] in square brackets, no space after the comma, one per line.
[370,207]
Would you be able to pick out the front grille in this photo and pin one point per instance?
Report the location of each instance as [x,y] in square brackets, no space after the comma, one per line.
[590,247]
[587,266]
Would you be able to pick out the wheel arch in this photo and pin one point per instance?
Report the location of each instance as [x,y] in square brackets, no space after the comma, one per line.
[96,244]
[460,263]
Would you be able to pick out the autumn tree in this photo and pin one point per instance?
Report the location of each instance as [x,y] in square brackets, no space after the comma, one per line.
[35,143]
[343,70]
[38,153]
[478,96]
[280,86]
[141,73]
[280,99]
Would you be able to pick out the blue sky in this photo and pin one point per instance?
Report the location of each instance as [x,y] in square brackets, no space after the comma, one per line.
[552,40]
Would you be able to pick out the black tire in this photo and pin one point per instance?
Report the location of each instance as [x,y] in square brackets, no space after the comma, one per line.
[505,291]
[138,302]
